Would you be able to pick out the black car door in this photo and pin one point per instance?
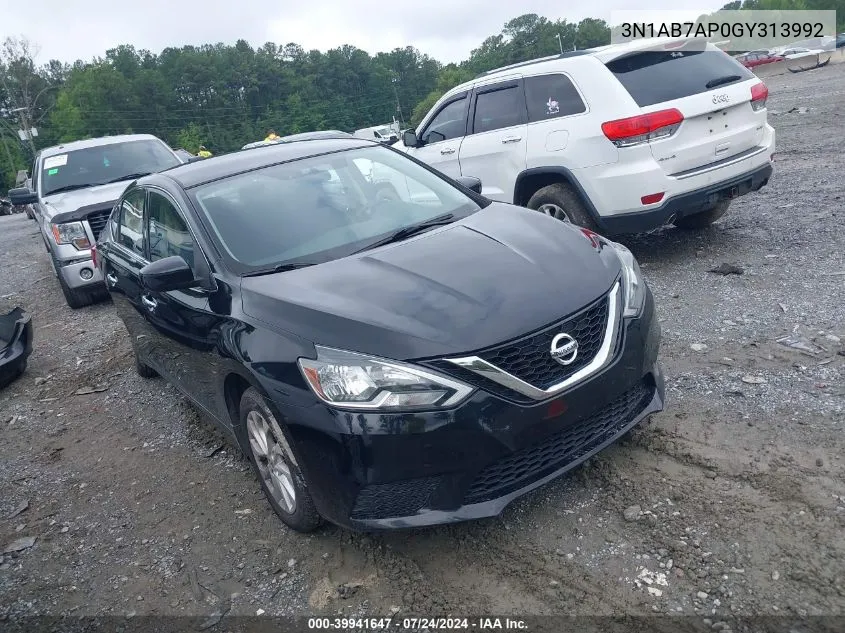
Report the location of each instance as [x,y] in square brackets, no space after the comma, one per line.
[185,327]
[123,255]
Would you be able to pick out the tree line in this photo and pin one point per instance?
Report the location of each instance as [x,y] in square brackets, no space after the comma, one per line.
[223,96]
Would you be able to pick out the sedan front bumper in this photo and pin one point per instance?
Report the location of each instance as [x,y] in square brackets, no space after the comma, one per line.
[382,471]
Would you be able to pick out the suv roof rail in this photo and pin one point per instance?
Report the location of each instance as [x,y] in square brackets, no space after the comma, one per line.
[540,60]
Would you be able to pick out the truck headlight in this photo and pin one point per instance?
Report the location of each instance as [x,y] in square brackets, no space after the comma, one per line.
[633,280]
[71,233]
[356,381]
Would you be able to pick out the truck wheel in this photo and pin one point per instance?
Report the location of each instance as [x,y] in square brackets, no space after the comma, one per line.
[75,298]
[561,202]
[268,447]
[704,219]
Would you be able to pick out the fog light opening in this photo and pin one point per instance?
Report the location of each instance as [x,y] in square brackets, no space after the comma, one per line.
[86,273]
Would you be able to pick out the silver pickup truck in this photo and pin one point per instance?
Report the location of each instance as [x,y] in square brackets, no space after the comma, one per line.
[72,191]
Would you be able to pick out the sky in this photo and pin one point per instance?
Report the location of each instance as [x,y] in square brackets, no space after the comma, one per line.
[444,29]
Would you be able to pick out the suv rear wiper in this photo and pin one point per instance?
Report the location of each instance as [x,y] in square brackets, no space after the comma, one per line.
[721,81]
[408,231]
[280,268]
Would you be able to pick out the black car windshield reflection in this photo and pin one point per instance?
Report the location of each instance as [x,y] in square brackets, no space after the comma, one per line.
[324,207]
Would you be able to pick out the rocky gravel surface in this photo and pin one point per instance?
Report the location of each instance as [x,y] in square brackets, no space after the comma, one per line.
[116,499]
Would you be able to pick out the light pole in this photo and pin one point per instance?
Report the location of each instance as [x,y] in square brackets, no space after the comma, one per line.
[560,43]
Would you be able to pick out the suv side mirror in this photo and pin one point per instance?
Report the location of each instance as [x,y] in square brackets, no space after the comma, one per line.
[23,195]
[409,138]
[470,182]
[170,273]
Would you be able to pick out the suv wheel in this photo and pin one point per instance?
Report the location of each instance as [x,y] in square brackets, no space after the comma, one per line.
[704,219]
[269,450]
[562,203]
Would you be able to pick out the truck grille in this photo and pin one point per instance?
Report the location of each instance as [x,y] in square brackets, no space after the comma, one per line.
[97,220]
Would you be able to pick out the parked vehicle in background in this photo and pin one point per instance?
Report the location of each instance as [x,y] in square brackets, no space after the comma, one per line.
[382,363]
[302,136]
[184,155]
[750,60]
[840,40]
[73,189]
[379,133]
[620,139]
[799,52]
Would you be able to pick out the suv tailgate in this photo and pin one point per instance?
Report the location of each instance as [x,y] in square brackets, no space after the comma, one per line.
[710,89]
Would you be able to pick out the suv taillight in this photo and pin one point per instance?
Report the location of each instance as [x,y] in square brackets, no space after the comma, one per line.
[759,94]
[643,128]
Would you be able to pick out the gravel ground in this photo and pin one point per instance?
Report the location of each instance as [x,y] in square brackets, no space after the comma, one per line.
[731,502]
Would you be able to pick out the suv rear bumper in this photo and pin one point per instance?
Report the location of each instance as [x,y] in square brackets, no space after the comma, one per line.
[686,204]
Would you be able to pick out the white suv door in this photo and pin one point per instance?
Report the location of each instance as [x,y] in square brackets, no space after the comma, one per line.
[441,137]
[495,147]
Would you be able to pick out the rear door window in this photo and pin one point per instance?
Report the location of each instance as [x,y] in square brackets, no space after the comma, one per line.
[657,76]
[551,96]
[499,107]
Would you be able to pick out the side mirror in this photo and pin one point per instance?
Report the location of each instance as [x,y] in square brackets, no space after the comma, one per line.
[23,195]
[470,182]
[170,273]
[409,138]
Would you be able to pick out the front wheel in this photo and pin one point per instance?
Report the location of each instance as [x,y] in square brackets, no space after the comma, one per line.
[269,450]
[74,297]
[561,202]
[704,219]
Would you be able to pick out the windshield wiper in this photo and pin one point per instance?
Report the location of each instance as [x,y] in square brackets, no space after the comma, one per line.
[280,268]
[721,81]
[127,177]
[69,188]
[408,231]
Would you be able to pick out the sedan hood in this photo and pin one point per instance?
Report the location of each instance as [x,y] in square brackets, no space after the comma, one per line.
[498,274]
[63,207]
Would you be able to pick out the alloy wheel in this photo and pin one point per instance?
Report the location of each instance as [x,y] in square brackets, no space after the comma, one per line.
[555,211]
[273,457]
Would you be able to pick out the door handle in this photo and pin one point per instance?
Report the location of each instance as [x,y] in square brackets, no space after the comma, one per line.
[111,278]
[149,302]
[446,151]
[511,139]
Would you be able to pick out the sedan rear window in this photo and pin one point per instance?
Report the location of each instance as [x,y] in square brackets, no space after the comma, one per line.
[325,207]
[657,76]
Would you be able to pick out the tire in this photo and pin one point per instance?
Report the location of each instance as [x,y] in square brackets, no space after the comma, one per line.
[144,370]
[704,219]
[75,298]
[287,490]
[560,201]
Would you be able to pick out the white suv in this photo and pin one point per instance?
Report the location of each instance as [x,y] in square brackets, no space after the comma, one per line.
[620,139]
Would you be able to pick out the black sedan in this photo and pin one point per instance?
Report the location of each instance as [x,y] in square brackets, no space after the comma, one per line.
[388,347]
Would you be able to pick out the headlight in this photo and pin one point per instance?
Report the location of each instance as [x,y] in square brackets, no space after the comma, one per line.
[634,282]
[356,381]
[71,233]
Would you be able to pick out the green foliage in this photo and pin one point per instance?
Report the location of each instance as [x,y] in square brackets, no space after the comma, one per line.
[223,96]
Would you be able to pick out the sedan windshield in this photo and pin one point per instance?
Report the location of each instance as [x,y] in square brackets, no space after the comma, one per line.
[325,207]
[113,162]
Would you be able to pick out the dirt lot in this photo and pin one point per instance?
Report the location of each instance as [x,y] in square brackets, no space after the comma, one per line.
[732,502]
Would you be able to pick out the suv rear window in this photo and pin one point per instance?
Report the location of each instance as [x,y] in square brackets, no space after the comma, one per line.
[657,76]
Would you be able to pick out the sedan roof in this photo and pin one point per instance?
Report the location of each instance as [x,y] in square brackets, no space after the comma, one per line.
[215,168]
